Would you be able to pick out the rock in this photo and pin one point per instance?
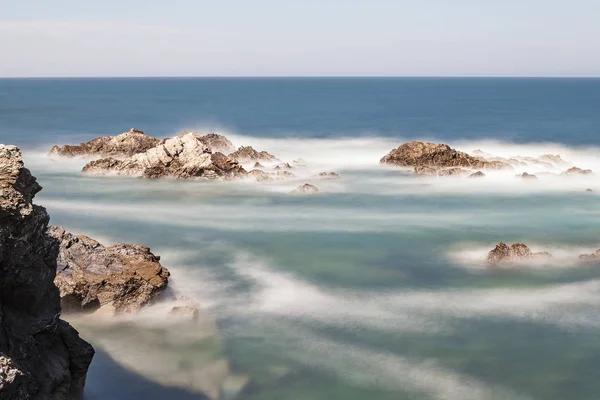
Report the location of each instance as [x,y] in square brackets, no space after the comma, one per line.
[277,168]
[329,175]
[123,145]
[41,356]
[575,171]
[588,190]
[452,172]
[425,171]
[477,174]
[415,154]
[518,252]
[186,312]
[260,176]
[590,257]
[299,162]
[429,171]
[306,188]
[118,278]
[258,165]
[181,157]
[553,158]
[525,175]
[284,174]
[217,143]
[248,154]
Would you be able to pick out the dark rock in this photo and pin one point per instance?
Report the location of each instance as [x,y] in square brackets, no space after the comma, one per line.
[518,252]
[258,165]
[306,188]
[452,172]
[590,257]
[123,145]
[415,154]
[41,356]
[248,154]
[118,278]
[525,175]
[477,174]
[181,157]
[329,175]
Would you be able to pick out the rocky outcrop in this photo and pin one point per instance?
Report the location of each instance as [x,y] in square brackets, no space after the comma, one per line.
[217,143]
[525,175]
[504,254]
[577,171]
[477,174]
[590,257]
[430,171]
[118,278]
[434,155]
[248,154]
[41,356]
[123,145]
[181,157]
[306,188]
[258,165]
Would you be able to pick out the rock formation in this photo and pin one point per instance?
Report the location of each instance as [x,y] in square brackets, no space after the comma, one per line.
[258,165]
[420,154]
[577,171]
[430,171]
[503,254]
[181,157]
[217,143]
[328,175]
[41,356]
[306,188]
[118,278]
[477,174]
[123,145]
[590,257]
[248,154]
[525,175]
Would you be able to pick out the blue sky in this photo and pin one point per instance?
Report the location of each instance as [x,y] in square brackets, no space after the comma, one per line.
[300,38]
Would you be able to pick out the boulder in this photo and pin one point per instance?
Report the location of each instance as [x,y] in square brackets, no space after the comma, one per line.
[477,174]
[525,175]
[248,154]
[181,157]
[124,145]
[306,188]
[41,356]
[577,171]
[504,254]
[423,154]
[118,278]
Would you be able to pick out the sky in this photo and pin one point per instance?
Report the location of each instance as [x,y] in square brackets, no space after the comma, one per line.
[75,38]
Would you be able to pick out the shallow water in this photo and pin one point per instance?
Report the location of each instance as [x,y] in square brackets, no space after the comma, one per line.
[374,288]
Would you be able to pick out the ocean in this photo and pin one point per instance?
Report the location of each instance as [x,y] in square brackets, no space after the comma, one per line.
[374,288]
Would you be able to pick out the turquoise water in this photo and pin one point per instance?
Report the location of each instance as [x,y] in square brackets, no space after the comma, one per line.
[375,288]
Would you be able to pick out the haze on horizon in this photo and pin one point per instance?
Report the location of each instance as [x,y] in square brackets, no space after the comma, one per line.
[68,38]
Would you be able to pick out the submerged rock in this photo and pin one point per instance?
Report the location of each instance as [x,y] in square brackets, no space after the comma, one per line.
[577,171]
[118,278]
[41,356]
[477,174]
[452,172]
[518,252]
[248,154]
[181,157]
[553,158]
[260,176]
[258,165]
[525,175]
[124,145]
[306,188]
[423,154]
[329,175]
[186,312]
[590,257]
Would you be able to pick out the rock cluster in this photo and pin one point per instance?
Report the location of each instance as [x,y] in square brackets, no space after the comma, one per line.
[217,143]
[577,171]
[123,145]
[504,254]
[590,257]
[436,156]
[247,154]
[118,278]
[306,188]
[181,157]
[41,356]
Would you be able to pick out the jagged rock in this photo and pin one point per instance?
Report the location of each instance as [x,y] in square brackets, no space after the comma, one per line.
[260,176]
[525,175]
[284,174]
[429,171]
[258,165]
[553,158]
[329,175]
[248,154]
[452,172]
[306,188]
[181,157]
[590,257]
[124,145]
[186,312]
[215,142]
[118,278]
[425,171]
[477,174]
[277,168]
[41,356]
[415,154]
[518,252]
[575,171]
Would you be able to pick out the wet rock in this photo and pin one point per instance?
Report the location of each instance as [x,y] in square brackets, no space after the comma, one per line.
[306,188]
[248,154]
[329,175]
[525,175]
[181,157]
[577,171]
[124,145]
[477,174]
[415,154]
[518,252]
[118,278]
[41,356]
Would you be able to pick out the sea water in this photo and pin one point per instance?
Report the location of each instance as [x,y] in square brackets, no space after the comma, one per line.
[374,288]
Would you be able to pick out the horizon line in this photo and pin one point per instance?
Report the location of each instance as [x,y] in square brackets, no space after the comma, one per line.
[307,77]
